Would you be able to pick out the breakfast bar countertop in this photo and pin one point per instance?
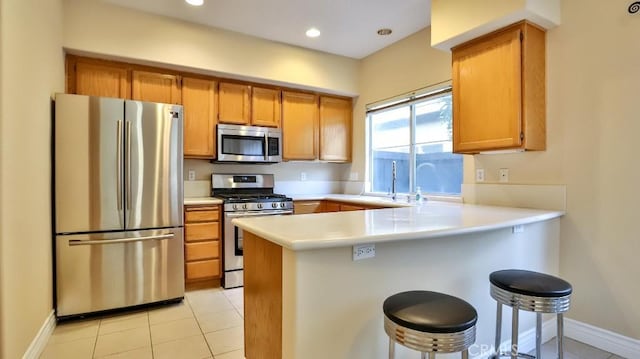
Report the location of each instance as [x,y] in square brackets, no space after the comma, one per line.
[430,219]
[189,201]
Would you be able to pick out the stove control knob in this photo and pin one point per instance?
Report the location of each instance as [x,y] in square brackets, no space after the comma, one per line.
[244,206]
[235,207]
[274,205]
[260,205]
[282,205]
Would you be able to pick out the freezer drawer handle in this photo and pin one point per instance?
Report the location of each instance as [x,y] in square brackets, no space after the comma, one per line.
[78,242]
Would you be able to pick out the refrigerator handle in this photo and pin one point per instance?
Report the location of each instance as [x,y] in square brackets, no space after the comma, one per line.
[119,164]
[128,164]
[79,242]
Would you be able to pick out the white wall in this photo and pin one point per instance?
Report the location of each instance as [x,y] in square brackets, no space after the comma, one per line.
[31,71]
[130,34]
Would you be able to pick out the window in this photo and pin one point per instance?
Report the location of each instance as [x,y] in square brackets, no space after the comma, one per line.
[414,131]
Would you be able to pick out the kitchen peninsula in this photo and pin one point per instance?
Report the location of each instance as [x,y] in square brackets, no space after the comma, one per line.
[305,296]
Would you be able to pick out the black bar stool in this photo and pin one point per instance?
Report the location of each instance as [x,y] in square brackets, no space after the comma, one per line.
[429,322]
[533,292]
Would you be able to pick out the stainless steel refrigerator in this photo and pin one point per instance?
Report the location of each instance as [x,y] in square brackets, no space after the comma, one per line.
[118,203]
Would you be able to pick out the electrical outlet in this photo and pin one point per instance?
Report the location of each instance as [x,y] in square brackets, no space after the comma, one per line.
[364,251]
[517,229]
[480,175]
[353,176]
[503,175]
[192,175]
[303,176]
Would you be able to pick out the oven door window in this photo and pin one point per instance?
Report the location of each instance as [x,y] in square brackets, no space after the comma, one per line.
[237,240]
[243,145]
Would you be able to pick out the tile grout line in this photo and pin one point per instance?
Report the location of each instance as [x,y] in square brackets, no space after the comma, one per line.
[150,337]
[199,327]
[95,342]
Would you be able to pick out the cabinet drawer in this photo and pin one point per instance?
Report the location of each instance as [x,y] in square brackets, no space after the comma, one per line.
[202,250]
[203,269]
[201,215]
[202,231]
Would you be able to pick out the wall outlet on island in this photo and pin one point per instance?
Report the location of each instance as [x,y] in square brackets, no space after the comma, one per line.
[503,175]
[363,251]
[192,175]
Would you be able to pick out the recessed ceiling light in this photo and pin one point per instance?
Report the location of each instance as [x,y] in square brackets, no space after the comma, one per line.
[384,32]
[195,2]
[313,32]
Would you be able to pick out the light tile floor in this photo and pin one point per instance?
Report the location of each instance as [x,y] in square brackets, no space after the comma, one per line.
[207,324]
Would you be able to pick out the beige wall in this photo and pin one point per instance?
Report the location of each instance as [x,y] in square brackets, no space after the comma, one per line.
[592,95]
[32,70]
[457,21]
[593,66]
[124,33]
[405,66]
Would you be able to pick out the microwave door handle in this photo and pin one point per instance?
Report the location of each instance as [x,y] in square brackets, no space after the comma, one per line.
[266,145]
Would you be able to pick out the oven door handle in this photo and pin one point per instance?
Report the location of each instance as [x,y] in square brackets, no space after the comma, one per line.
[257,214]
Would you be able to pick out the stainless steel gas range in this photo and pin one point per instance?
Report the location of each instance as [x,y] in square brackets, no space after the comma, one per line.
[244,195]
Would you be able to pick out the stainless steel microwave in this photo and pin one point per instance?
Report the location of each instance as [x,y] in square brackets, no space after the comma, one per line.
[249,144]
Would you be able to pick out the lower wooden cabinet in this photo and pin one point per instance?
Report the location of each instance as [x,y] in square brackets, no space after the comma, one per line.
[202,244]
[305,207]
[324,206]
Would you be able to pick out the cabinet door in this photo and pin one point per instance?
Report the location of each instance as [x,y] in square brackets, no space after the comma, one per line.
[299,126]
[199,101]
[487,95]
[96,78]
[330,206]
[233,103]
[155,87]
[305,207]
[350,207]
[265,107]
[335,129]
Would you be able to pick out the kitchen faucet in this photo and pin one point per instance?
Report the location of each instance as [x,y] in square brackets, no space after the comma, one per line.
[393,180]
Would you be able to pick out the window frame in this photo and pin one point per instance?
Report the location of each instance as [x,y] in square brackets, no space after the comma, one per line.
[409,99]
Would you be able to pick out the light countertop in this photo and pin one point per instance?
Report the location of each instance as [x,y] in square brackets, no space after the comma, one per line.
[201,200]
[428,220]
[368,200]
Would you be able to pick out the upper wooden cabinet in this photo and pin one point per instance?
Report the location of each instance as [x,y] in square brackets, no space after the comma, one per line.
[199,101]
[335,129]
[299,126]
[234,103]
[155,87]
[499,91]
[97,78]
[265,107]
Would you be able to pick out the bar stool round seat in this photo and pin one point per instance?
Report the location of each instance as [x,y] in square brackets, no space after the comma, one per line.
[533,292]
[429,322]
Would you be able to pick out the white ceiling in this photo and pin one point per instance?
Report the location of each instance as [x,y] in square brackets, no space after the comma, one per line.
[348,26]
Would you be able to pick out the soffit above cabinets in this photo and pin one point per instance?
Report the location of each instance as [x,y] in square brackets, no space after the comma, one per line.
[348,27]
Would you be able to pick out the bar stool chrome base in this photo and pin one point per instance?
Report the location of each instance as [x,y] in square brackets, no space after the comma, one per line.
[539,305]
[429,342]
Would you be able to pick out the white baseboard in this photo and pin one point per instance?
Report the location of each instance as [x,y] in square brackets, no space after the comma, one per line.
[602,339]
[526,340]
[40,341]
